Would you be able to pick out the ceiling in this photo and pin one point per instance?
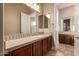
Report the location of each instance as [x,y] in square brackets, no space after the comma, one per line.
[64,5]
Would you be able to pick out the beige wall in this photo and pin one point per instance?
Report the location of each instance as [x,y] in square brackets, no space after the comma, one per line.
[12,17]
[67,12]
[1,29]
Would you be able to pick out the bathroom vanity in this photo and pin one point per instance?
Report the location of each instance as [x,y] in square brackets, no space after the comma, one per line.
[29,46]
[66,38]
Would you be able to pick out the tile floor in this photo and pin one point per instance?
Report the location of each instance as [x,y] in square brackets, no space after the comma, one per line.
[64,50]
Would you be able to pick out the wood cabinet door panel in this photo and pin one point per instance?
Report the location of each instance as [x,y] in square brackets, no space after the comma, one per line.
[24,51]
[19,52]
[51,41]
[48,43]
[28,50]
[72,41]
[37,48]
[68,39]
[45,46]
[61,38]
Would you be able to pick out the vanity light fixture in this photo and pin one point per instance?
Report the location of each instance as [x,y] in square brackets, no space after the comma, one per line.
[34,6]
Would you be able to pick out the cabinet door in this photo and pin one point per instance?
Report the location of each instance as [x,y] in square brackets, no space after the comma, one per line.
[49,43]
[19,52]
[24,51]
[72,40]
[37,48]
[45,46]
[28,50]
[67,39]
[61,38]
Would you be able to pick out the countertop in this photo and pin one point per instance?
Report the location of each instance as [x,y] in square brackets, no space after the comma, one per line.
[11,45]
[68,33]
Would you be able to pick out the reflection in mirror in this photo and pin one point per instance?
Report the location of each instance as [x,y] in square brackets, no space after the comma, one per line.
[45,22]
[40,21]
[33,24]
[43,19]
[66,24]
[25,23]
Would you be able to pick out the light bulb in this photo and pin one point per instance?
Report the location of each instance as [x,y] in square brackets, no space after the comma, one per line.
[33,23]
[48,15]
[35,4]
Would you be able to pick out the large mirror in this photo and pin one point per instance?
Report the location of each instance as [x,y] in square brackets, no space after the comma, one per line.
[20,18]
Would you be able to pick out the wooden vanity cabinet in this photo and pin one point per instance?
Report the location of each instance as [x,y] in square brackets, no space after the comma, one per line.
[66,39]
[37,48]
